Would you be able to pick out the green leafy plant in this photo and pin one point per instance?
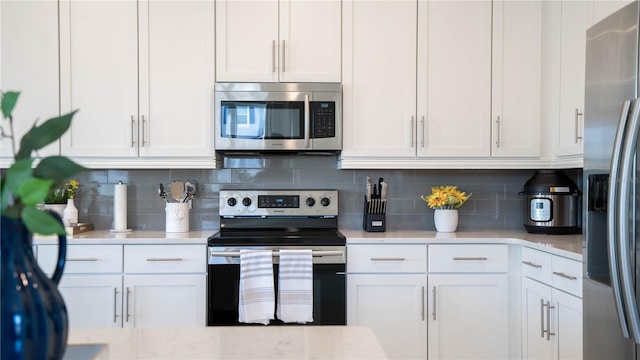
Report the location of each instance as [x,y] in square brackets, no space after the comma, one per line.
[25,184]
[60,195]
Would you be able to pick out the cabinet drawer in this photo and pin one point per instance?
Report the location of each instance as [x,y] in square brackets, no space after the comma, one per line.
[165,258]
[536,265]
[387,259]
[82,259]
[468,258]
[567,275]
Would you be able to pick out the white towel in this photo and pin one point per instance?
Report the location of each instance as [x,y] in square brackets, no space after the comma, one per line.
[256,303]
[295,286]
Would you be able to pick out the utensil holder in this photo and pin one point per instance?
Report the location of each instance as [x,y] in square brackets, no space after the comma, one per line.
[374,215]
[177,217]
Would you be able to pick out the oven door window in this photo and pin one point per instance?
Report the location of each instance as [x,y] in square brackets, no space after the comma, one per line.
[329,295]
[262,119]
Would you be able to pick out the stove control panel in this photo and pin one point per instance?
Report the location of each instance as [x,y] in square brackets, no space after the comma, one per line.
[278,203]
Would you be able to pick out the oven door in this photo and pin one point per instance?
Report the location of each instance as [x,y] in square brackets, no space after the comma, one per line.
[329,285]
[262,120]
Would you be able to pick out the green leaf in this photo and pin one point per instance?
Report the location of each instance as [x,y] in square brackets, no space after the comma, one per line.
[40,136]
[33,190]
[19,172]
[9,100]
[40,222]
[57,168]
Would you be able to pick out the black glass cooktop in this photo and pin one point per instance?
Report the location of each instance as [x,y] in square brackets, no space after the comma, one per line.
[294,237]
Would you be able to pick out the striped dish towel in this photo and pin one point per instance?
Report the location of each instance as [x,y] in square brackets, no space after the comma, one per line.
[256,301]
[295,286]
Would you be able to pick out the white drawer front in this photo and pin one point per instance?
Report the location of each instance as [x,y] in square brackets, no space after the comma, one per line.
[165,258]
[567,275]
[462,258]
[82,259]
[536,265]
[386,259]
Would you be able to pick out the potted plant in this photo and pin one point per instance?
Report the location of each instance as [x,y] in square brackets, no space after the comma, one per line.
[61,201]
[32,312]
[446,200]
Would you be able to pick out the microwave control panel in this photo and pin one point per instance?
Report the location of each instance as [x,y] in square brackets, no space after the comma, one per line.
[323,119]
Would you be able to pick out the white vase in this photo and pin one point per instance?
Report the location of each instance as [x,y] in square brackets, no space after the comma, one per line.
[56,208]
[70,213]
[446,220]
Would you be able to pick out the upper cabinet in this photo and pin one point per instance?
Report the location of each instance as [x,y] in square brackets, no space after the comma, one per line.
[285,41]
[29,64]
[141,74]
[473,69]
[572,77]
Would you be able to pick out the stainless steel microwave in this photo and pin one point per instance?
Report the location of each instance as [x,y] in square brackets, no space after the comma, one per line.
[278,117]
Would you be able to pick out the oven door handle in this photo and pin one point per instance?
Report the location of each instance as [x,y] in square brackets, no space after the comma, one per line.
[315,253]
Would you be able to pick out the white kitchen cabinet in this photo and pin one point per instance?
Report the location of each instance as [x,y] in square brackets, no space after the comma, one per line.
[478,84]
[379,97]
[468,302]
[29,64]
[516,78]
[552,306]
[454,79]
[572,78]
[271,41]
[386,287]
[132,285]
[141,74]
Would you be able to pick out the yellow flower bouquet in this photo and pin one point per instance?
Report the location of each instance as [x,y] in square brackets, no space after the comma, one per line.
[446,197]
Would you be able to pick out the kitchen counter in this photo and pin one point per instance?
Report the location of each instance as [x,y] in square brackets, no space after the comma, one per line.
[565,245]
[238,342]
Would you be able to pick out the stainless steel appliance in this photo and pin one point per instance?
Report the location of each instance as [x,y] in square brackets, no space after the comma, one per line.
[611,217]
[551,203]
[268,117]
[275,220]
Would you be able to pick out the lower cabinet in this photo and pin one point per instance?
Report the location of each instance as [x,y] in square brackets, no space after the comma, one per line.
[551,309]
[468,302]
[131,285]
[386,291]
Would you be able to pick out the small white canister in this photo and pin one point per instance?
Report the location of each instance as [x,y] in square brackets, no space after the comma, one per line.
[177,217]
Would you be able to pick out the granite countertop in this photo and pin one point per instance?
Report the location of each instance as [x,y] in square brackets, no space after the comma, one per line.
[570,246]
[566,245]
[234,342]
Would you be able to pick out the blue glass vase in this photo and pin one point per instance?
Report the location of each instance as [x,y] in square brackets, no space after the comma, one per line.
[33,317]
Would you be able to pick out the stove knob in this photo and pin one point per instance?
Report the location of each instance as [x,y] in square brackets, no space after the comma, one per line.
[311,201]
[231,201]
[325,201]
[246,201]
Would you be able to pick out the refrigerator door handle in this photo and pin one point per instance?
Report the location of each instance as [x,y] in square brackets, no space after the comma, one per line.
[622,228]
[612,216]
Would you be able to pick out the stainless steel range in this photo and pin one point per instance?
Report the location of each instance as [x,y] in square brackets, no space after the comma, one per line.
[276,220]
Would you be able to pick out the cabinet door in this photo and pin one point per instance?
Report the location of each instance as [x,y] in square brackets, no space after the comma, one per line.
[29,64]
[310,44]
[93,301]
[394,307]
[468,316]
[568,326]
[247,40]
[534,320]
[379,82]
[164,300]
[176,78]
[454,78]
[99,76]
[517,66]
[572,74]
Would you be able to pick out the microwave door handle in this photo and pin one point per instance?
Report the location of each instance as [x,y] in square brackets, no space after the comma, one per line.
[612,219]
[307,122]
[624,194]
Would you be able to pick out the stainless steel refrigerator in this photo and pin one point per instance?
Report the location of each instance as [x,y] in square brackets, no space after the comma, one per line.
[611,221]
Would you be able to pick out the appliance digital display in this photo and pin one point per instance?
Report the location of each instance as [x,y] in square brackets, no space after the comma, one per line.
[278,201]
